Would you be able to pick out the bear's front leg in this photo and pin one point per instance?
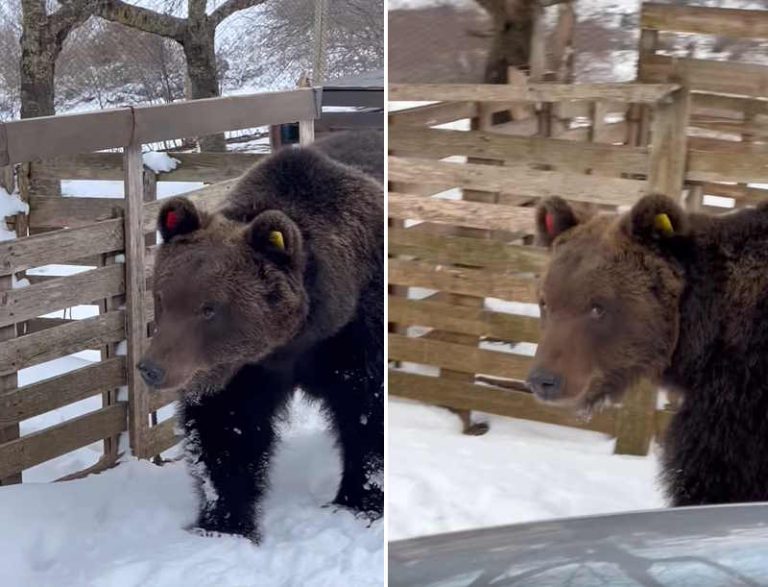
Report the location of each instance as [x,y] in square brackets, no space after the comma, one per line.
[229,441]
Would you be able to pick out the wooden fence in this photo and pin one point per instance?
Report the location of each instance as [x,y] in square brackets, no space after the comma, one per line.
[728,125]
[99,233]
[461,207]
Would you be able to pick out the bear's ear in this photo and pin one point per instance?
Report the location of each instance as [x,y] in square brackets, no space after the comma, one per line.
[656,219]
[553,217]
[178,216]
[277,237]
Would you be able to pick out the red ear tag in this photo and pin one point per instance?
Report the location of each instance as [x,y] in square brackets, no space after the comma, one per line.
[171,220]
[550,222]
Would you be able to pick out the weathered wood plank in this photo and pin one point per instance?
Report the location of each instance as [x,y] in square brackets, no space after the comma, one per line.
[207,167]
[335,121]
[52,343]
[460,213]
[207,198]
[432,114]
[444,249]
[533,92]
[83,288]
[36,448]
[472,282]
[38,398]
[520,181]
[458,357]
[666,169]
[162,437]
[135,293]
[160,399]
[724,77]
[58,212]
[562,154]
[727,166]
[492,400]
[208,116]
[60,246]
[452,318]
[721,22]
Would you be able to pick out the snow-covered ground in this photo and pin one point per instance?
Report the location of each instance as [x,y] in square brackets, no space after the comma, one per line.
[439,480]
[125,527]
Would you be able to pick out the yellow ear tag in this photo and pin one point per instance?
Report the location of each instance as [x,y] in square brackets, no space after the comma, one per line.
[663,224]
[276,238]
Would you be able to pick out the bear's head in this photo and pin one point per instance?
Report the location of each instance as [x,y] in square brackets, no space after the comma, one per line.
[225,294]
[609,299]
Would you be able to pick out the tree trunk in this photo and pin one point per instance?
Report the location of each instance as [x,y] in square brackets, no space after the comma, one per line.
[512,31]
[39,50]
[203,77]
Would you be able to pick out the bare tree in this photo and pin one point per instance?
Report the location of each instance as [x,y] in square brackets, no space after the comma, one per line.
[42,39]
[285,37]
[513,22]
[196,34]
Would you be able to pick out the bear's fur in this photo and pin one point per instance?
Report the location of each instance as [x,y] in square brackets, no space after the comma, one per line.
[244,317]
[680,299]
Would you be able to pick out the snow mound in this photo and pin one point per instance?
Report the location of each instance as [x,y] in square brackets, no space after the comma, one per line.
[160,162]
[125,527]
[439,480]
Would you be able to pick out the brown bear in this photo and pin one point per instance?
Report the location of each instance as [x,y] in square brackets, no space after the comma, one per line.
[676,297]
[281,288]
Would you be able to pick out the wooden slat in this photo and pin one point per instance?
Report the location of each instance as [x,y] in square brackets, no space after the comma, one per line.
[472,282]
[460,213]
[42,298]
[722,77]
[534,92]
[466,320]
[722,22]
[207,167]
[51,136]
[160,399]
[52,343]
[519,181]
[732,103]
[55,441]
[58,212]
[727,166]
[467,396]
[359,97]
[60,246]
[162,437]
[38,398]
[207,198]
[444,249]
[564,155]
[349,120]
[666,168]
[432,114]
[135,294]
[458,357]
[202,117]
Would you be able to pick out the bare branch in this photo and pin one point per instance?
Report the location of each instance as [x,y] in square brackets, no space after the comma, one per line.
[230,7]
[140,18]
[72,14]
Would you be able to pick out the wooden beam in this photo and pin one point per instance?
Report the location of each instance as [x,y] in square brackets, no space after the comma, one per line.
[534,92]
[668,145]
[721,22]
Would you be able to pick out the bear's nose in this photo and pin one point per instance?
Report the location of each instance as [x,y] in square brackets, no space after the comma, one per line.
[152,373]
[545,384]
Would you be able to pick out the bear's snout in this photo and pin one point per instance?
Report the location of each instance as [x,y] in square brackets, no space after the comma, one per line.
[546,386]
[152,373]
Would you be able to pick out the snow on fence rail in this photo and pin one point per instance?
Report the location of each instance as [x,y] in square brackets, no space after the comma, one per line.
[461,206]
[114,241]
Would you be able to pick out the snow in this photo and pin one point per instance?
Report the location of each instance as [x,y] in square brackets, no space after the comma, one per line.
[159,162]
[439,480]
[10,204]
[125,527]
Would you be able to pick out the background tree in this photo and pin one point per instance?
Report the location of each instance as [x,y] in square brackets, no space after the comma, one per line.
[196,34]
[512,22]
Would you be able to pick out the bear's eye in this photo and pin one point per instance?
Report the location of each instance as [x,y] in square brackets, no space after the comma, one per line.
[596,311]
[208,311]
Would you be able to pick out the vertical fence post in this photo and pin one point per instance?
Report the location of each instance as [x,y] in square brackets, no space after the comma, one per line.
[306,132]
[8,381]
[135,291]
